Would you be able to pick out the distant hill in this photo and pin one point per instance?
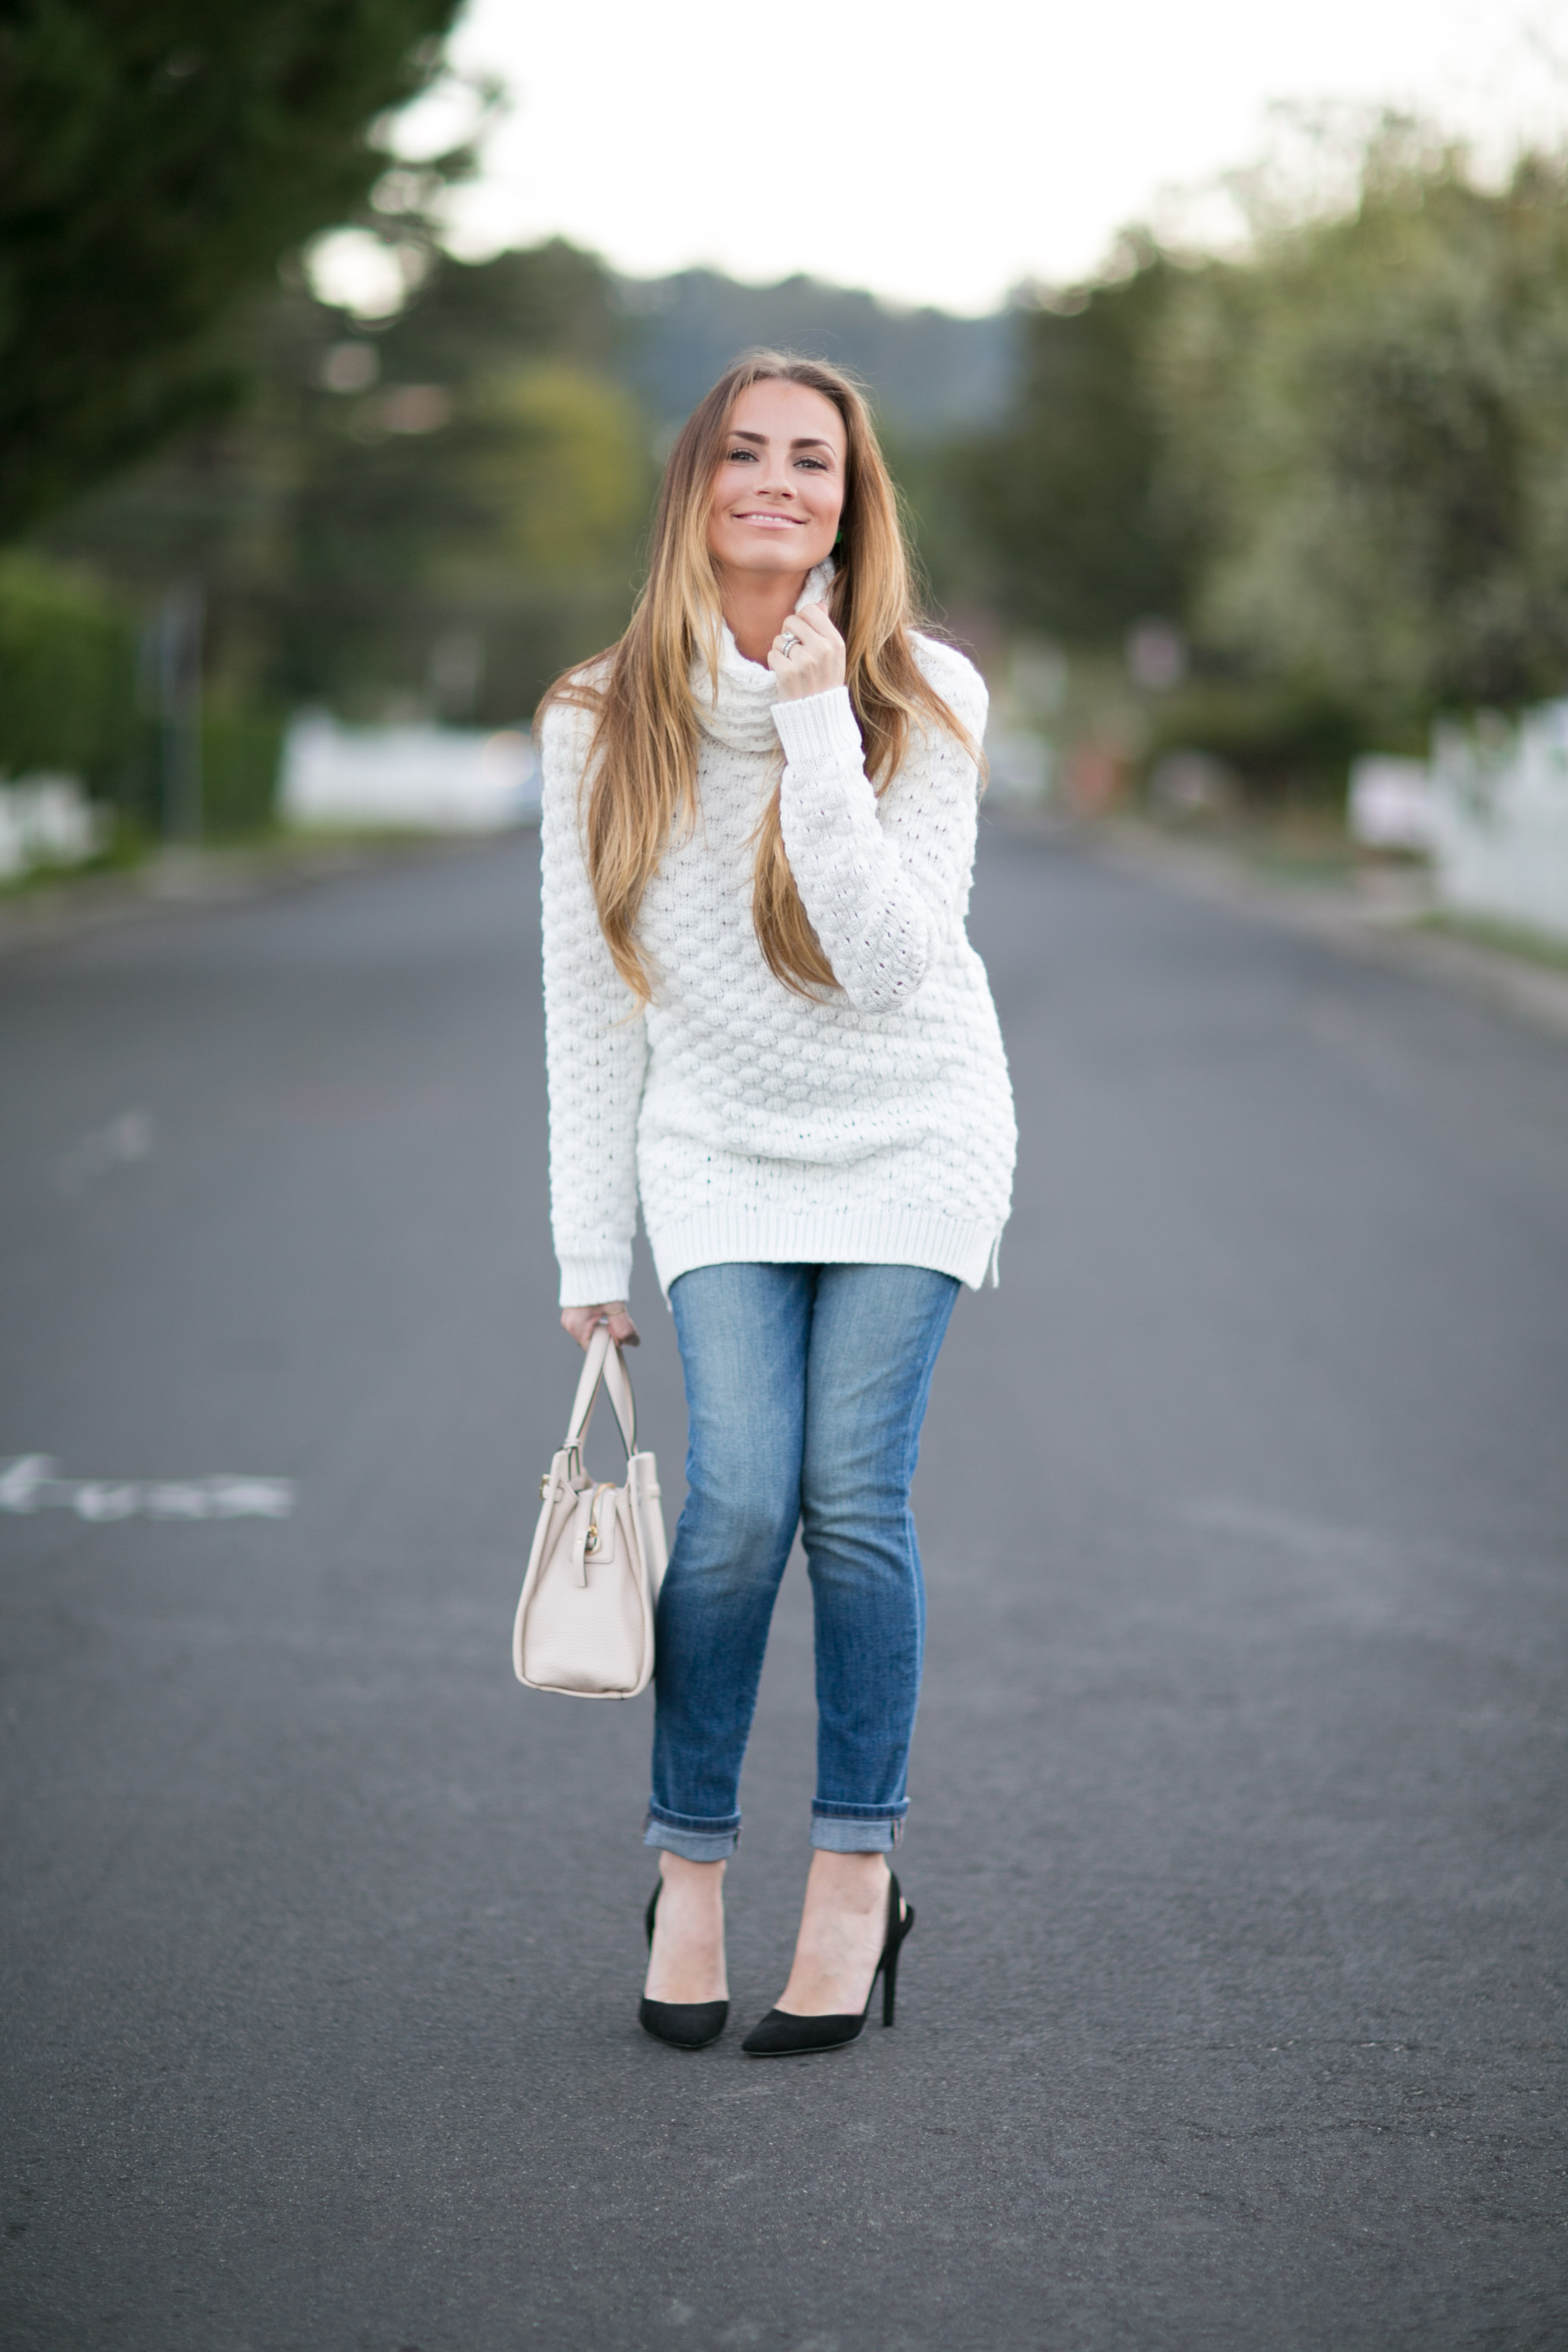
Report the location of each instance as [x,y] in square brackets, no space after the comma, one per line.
[930,372]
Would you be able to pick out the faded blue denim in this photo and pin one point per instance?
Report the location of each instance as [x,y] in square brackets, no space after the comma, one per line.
[806,1386]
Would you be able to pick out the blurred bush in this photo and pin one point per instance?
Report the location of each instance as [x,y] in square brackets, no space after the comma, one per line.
[73,703]
[68,677]
[242,758]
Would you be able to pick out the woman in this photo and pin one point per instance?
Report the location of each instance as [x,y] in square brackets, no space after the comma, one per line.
[764,1018]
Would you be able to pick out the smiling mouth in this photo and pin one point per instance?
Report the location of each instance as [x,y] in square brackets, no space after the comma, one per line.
[772,521]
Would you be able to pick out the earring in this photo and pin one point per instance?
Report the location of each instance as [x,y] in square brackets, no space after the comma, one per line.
[840,541]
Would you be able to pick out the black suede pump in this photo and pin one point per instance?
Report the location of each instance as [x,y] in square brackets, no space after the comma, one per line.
[782,2035]
[684,2025]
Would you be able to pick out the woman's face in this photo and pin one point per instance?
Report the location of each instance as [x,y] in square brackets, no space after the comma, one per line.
[779,491]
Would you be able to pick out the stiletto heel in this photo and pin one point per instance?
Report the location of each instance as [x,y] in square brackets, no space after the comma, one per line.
[890,1960]
[781,2034]
[683,2024]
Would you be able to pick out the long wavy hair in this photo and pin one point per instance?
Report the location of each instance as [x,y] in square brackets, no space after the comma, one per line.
[640,778]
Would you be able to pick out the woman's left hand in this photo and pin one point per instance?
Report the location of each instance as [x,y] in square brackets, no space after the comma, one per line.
[813,663]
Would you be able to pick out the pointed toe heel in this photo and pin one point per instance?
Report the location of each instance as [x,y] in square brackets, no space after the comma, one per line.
[683,2024]
[781,2034]
[680,2024]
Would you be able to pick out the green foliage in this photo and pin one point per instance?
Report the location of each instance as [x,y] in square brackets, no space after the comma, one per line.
[158,162]
[446,531]
[68,676]
[242,755]
[515,523]
[554,466]
[1068,496]
[471,318]
[1369,416]
[434,512]
[1339,462]
[69,706]
[1281,738]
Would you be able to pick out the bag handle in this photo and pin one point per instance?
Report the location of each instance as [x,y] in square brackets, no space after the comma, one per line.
[619,1388]
[603,1364]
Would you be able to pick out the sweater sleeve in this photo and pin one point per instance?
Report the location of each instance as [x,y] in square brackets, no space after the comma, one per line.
[883,881]
[595,1043]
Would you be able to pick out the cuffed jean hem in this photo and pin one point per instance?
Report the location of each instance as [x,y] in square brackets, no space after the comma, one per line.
[848,1832]
[716,1843]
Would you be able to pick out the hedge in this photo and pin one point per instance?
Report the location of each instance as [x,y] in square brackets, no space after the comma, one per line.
[69,706]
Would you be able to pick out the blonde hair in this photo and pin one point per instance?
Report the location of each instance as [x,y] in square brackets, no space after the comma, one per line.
[640,777]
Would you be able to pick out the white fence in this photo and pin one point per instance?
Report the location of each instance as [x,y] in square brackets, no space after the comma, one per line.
[423,778]
[1500,818]
[1393,805]
[1018,765]
[45,821]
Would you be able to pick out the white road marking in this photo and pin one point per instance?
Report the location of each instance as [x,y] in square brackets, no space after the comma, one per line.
[127,1138]
[29,1484]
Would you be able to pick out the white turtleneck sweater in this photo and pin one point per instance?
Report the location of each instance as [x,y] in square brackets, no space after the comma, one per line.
[870,1125]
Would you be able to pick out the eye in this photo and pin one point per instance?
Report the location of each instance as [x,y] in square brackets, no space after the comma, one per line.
[818,464]
[736,454]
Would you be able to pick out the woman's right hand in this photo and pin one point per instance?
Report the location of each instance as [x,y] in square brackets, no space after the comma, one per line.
[582,1322]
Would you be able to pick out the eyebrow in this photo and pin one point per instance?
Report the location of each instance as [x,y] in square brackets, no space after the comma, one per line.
[802,441]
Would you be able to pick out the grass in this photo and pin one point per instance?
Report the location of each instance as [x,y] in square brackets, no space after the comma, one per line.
[121,854]
[1507,938]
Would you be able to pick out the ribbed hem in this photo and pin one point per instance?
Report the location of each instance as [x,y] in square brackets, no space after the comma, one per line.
[595,1281]
[854,1236]
[820,730]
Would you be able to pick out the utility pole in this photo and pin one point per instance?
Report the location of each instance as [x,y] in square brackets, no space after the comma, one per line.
[181,624]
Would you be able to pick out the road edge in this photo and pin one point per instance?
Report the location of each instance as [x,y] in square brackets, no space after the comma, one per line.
[201,881]
[1374,931]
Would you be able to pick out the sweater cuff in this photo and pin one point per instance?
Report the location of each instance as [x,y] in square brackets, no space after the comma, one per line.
[819,730]
[594,1281]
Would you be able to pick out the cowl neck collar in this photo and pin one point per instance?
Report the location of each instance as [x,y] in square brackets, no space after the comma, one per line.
[741,714]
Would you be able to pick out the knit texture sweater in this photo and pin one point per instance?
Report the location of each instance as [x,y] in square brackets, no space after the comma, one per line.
[871,1123]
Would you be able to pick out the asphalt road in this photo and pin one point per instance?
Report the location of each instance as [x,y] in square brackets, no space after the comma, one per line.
[1233,2021]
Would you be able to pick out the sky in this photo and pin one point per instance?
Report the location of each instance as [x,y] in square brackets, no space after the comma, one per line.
[944,153]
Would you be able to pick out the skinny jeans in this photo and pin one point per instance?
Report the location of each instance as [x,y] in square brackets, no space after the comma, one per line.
[806,1388]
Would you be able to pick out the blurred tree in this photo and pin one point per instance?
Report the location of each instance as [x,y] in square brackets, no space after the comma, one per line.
[550,301]
[156,162]
[438,510]
[508,518]
[556,468]
[1339,462]
[1067,499]
[1368,416]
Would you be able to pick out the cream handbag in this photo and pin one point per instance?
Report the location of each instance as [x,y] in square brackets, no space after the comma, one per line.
[585,1622]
